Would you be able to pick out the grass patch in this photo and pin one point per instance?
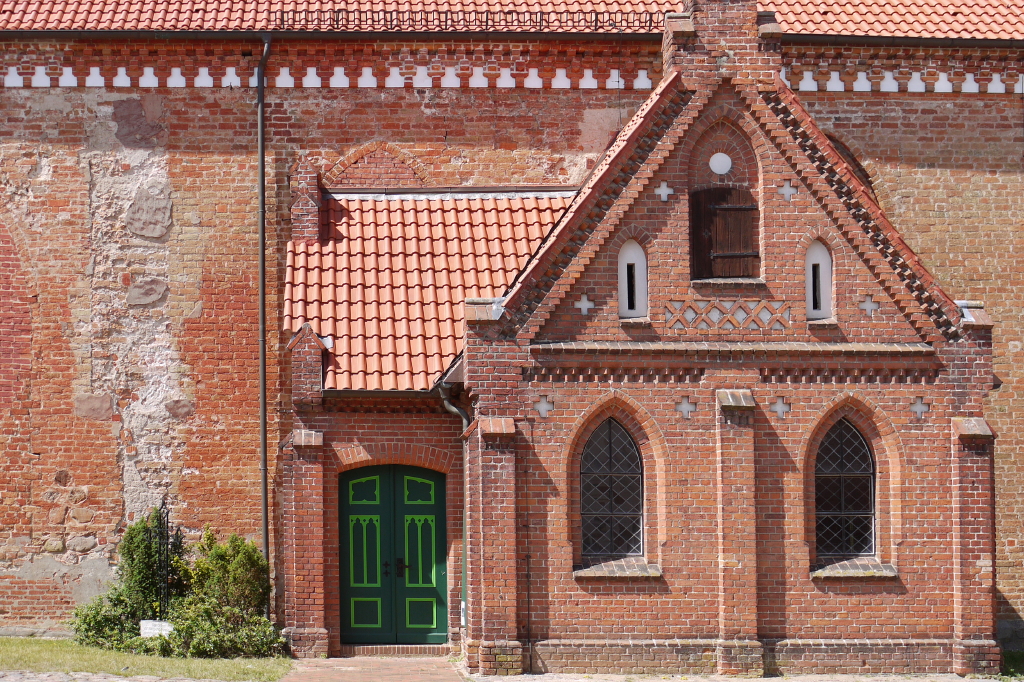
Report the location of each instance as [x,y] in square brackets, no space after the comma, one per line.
[64,656]
[1013,663]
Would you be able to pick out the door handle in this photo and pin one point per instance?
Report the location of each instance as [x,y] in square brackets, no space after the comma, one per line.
[400,567]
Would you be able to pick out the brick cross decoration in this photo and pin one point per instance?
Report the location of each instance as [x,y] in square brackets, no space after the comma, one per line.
[788,190]
[686,407]
[543,406]
[780,407]
[918,407]
[584,304]
[869,306]
[664,191]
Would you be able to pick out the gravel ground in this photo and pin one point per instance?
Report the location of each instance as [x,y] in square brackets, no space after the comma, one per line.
[580,677]
[22,676]
[550,677]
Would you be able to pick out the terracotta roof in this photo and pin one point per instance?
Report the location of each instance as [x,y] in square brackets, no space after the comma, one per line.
[979,19]
[983,19]
[330,15]
[388,290]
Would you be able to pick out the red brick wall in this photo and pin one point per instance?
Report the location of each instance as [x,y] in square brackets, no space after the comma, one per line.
[77,160]
[956,195]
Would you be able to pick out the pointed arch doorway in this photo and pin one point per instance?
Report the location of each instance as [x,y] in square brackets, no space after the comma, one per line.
[393,556]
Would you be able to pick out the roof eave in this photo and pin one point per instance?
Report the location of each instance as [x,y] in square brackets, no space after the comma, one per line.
[855,40]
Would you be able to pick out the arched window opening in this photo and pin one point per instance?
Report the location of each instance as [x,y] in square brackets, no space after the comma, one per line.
[611,494]
[844,494]
[723,234]
[632,280]
[818,281]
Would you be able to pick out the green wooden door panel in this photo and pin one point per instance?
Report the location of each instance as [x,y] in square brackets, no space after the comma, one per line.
[418,490]
[390,515]
[364,490]
[366,613]
[364,550]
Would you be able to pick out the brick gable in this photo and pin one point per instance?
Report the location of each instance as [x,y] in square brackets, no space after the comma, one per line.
[770,308]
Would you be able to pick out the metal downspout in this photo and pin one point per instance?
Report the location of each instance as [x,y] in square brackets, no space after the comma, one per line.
[261,182]
[443,390]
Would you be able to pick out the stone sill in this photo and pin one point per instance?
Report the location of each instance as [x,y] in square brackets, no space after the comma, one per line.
[729,282]
[826,323]
[863,567]
[631,567]
[635,321]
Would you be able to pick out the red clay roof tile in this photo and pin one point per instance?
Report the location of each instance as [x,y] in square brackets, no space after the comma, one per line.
[978,19]
[389,286]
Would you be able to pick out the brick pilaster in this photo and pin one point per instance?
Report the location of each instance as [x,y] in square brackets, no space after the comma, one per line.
[975,650]
[491,617]
[302,519]
[307,366]
[307,198]
[739,651]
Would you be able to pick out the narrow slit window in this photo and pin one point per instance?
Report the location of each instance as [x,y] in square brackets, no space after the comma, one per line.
[818,274]
[631,286]
[632,280]
[816,287]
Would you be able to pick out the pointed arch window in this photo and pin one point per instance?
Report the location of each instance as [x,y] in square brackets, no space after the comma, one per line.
[844,494]
[818,281]
[632,280]
[611,493]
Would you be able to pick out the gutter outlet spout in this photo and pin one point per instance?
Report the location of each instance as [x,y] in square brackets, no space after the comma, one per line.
[446,399]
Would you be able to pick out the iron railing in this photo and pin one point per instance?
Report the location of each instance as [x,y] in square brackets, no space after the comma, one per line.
[164,540]
[370,21]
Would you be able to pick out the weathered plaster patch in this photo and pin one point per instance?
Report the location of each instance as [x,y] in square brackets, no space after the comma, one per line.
[120,307]
[83,580]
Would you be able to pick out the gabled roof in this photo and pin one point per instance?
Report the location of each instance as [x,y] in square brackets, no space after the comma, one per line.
[977,19]
[646,142]
[387,290]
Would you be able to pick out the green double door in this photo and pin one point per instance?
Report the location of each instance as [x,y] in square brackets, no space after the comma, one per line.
[393,556]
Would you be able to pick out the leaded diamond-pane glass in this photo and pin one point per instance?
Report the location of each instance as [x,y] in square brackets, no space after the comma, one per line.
[611,493]
[844,498]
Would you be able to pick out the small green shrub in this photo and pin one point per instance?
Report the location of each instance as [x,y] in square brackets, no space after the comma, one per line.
[232,573]
[206,628]
[217,606]
[1013,663]
[111,620]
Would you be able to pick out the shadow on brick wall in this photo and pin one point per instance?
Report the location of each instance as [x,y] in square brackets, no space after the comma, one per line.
[1009,625]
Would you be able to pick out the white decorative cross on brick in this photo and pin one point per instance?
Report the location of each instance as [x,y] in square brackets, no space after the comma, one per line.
[686,407]
[584,304]
[869,306]
[664,191]
[780,407]
[543,406]
[788,190]
[918,407]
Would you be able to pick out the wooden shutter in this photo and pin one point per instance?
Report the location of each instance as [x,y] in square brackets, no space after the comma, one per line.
[724,234]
